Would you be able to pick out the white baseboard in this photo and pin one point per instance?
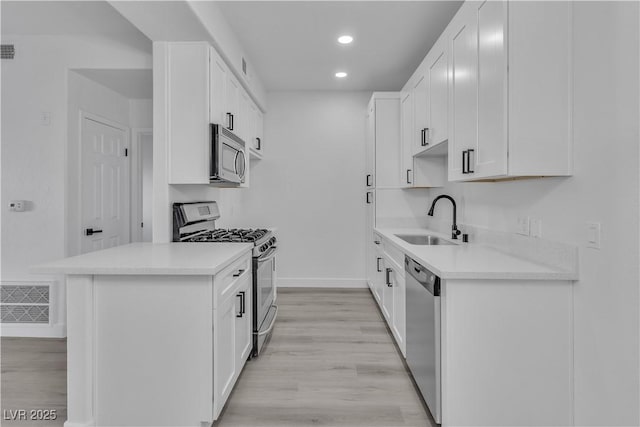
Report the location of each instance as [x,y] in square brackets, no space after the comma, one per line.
[59,330]
[316,282]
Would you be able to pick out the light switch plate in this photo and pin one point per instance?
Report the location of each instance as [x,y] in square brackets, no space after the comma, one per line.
[535,227]
[45,118]
[593,235]
[522,225]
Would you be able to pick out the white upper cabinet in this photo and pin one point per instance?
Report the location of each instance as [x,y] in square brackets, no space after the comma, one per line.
[218,86]
[420,118]
[201,90]
[188,130]
[388,150]
[463,91]
[244,121]
[255,135]
[510,91]
[259,135]
[370,146]
[407,138]
[438,96]
[232,103]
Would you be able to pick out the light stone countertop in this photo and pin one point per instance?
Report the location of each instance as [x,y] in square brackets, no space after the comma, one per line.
[471,261]
[150,259]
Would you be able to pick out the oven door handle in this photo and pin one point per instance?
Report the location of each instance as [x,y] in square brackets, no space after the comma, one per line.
[273,322]
[269,255]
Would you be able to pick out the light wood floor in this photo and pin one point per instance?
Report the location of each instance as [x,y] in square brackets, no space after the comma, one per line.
[34,376]
[331,362]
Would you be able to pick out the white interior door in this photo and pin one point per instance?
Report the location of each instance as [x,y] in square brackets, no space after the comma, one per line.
[105,184]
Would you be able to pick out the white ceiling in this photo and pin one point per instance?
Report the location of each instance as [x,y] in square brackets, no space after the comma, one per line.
[293,46]
[132,84]
[63,18]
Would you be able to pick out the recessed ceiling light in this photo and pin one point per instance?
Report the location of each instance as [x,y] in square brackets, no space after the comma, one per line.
[345,39]
[341,74]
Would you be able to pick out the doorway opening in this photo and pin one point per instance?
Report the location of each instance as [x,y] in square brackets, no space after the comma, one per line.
[108,191]
[142,185]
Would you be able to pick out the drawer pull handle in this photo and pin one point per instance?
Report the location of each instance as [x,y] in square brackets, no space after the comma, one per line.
[242,305]
[389,271]
[239,273]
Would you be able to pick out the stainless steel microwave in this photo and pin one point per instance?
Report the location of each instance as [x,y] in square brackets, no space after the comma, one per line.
[228,160]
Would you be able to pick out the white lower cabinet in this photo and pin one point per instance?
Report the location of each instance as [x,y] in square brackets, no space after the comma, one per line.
[387,285]
[387,291]
[231,329]
[243,323]
[377,276]
[224,361]
[399,312]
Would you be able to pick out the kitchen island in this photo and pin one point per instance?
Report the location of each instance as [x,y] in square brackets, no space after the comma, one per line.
[157,333]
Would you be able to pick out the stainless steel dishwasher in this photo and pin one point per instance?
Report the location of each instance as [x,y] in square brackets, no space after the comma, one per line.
[423,332]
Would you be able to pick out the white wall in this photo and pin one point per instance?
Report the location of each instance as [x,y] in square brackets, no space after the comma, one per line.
[141,113]
[604,189]
[310,187]
[34,165]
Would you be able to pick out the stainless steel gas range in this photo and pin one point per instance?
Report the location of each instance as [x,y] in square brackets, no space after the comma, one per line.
[195,222]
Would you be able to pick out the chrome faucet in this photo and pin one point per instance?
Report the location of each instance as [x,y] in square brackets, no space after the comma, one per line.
[454,228]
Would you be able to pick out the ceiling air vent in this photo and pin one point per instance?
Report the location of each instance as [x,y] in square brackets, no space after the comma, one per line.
[7,51]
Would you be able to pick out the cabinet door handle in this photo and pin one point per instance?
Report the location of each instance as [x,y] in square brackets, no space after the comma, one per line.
[91,232]
[377,242]
[408,172]
[242,307]
[259,144]
[426,136]
[422,138]
[368,197]
[229,121]
[388,278]
[232,121]
[369,183]
[469,170]
[378,264]
[239,273]
[464,162]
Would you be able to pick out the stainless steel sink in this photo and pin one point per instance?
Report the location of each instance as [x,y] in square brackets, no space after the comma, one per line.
[423,239]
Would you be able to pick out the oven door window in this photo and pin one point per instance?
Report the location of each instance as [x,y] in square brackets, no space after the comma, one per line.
[265,289]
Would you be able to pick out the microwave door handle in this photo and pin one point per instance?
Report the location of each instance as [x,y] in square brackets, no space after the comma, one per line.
[242,162]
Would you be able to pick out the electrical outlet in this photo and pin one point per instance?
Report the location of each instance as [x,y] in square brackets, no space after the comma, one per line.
[593,235]
[16,205]
[522,225]
[45,118]
[535,228]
